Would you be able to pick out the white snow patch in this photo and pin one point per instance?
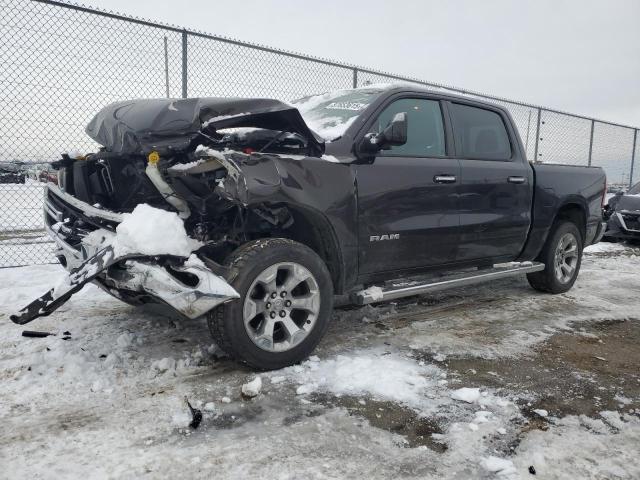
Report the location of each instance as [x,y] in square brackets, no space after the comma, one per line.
[541,412]
[180,167]
[376,293]
[604,247]
[387,377]
[153,231]
[252,388]
[498,465]
[466,394]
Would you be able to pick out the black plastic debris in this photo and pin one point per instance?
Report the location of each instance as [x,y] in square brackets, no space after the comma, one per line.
[66,335]
[532,470]
[196,415]
[34,334]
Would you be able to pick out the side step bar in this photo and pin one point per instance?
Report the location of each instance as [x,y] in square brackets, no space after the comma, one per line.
[379,294]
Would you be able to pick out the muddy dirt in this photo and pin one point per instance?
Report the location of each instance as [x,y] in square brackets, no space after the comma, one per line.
[596,368]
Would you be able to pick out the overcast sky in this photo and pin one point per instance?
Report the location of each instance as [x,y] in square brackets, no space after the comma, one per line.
[582,56]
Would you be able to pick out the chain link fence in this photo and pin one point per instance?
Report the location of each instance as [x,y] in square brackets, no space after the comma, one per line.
[62,62]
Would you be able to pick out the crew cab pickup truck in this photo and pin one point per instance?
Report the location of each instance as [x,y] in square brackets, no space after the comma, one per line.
[294,205]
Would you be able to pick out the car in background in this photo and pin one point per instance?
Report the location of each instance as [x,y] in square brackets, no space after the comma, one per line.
[622,213]
[12,172]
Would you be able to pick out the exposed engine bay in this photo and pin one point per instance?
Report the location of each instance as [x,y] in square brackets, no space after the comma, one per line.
[185,155]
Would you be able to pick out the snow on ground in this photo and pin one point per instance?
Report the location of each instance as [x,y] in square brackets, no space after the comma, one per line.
[108,402]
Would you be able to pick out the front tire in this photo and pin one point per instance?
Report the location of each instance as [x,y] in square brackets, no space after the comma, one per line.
[562,256]
[286,299]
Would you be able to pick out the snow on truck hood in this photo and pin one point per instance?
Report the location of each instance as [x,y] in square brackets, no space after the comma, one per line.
[138,126]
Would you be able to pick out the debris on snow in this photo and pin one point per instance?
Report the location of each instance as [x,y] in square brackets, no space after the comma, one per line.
[34,334]
[465,394]
[252,389]
[196,415]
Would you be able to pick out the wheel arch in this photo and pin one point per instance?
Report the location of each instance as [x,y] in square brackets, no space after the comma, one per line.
[575,212]
[313,229]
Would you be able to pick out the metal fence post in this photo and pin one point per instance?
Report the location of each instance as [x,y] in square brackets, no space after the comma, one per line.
[184,64]
[355,78]
[633,156]
[535,152]
[166,64]
[591,141]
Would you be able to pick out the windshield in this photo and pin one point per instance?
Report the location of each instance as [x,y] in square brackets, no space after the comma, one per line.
[330,114]
[635,190]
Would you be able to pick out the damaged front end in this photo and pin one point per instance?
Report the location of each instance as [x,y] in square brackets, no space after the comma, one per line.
[184,156]
[188,285]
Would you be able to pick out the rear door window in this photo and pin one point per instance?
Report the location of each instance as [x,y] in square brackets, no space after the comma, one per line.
[425,135]
[479,133]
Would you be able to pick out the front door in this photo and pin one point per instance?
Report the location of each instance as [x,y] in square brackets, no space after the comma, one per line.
[407,197]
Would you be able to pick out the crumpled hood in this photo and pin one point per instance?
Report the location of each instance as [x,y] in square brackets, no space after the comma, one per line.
[138,126]
[628,202]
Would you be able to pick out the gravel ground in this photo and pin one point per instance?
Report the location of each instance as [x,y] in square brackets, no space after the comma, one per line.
[492,381]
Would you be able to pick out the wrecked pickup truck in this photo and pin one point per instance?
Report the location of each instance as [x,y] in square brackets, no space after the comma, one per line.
[284,207]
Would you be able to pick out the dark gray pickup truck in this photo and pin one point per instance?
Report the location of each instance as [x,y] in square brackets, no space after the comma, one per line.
[294,204]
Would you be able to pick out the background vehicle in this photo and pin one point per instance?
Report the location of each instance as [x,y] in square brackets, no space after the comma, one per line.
[12,172]
[366,186]
[622,214]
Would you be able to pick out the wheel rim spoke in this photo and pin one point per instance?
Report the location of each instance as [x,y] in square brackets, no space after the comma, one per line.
[252,308]
[291,328]
[307,302]
[268,278]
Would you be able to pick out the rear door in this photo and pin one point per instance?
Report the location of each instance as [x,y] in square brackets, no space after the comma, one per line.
[496,183]
[407,196]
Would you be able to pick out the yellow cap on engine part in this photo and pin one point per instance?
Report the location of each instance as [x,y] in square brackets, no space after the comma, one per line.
[154,157]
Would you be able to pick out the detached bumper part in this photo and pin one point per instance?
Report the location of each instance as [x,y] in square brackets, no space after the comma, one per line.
[190,289]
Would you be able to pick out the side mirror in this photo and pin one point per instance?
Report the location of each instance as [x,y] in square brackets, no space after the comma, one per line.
[394,134]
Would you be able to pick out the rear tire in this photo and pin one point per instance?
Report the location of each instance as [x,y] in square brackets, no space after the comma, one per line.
[562,256]
[286,300]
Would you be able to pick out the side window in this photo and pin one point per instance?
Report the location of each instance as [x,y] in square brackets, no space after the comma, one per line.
[425,136]
[479,133]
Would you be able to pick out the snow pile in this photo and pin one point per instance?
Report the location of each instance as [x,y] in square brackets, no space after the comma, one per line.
[499,465]
[153,231]
[465,394]
[583,447]
[604,247]
[386,377]
[374,292]
[252,389]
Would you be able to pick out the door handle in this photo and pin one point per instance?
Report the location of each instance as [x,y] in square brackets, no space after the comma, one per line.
[517,180]
[444,179]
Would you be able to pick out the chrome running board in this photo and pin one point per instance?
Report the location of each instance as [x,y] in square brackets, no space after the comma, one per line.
[392,292]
